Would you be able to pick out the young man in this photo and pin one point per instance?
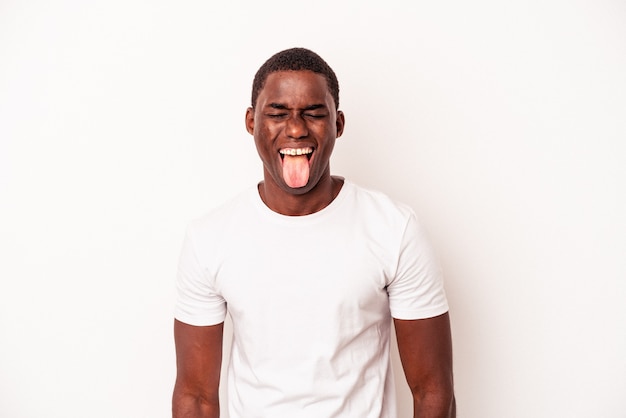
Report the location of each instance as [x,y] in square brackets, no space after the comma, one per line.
[312,269]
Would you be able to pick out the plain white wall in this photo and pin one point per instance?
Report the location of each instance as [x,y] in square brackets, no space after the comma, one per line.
[501,123]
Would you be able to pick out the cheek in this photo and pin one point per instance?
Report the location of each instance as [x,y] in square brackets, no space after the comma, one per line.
[265,133]
[264,143]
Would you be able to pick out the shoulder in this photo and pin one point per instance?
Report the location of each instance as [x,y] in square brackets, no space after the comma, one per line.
[375,203]
[223,217]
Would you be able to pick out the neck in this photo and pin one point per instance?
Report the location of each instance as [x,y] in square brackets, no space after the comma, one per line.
[295,204]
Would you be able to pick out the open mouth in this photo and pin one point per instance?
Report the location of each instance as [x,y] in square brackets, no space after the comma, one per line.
[295,165]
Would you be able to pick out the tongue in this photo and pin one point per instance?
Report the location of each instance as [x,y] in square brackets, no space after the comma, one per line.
[296,170]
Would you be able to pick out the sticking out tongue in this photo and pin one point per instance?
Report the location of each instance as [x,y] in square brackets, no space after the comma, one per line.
[296,170]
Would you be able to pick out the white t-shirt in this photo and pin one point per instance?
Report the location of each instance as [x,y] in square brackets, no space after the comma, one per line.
[311,300]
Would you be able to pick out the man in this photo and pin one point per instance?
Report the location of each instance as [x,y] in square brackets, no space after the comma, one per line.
[312,268]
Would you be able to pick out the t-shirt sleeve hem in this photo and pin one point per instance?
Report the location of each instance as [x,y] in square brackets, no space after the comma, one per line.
[199,321]
[420,314]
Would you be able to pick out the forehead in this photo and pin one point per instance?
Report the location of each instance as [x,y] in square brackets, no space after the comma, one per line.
[293,87]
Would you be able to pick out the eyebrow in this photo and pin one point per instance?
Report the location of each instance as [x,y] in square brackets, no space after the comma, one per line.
[284,107]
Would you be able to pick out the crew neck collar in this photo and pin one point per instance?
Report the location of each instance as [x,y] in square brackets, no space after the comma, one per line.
[346,188]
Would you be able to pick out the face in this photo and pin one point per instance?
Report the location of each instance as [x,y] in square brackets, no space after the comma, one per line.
[295,124]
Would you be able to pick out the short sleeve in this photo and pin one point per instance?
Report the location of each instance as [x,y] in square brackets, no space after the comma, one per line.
[198,303]
[416,291]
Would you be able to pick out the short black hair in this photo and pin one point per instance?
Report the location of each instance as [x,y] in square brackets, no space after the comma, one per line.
[295,59]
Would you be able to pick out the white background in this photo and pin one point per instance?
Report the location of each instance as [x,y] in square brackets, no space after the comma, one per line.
[502,123]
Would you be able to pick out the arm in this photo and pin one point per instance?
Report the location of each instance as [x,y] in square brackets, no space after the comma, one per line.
[198,364]
[425,348]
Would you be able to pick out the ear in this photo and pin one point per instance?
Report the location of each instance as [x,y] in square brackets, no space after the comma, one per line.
[341,122]
[250,120]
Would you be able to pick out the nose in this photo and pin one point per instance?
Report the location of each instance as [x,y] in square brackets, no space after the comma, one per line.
[296,127]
